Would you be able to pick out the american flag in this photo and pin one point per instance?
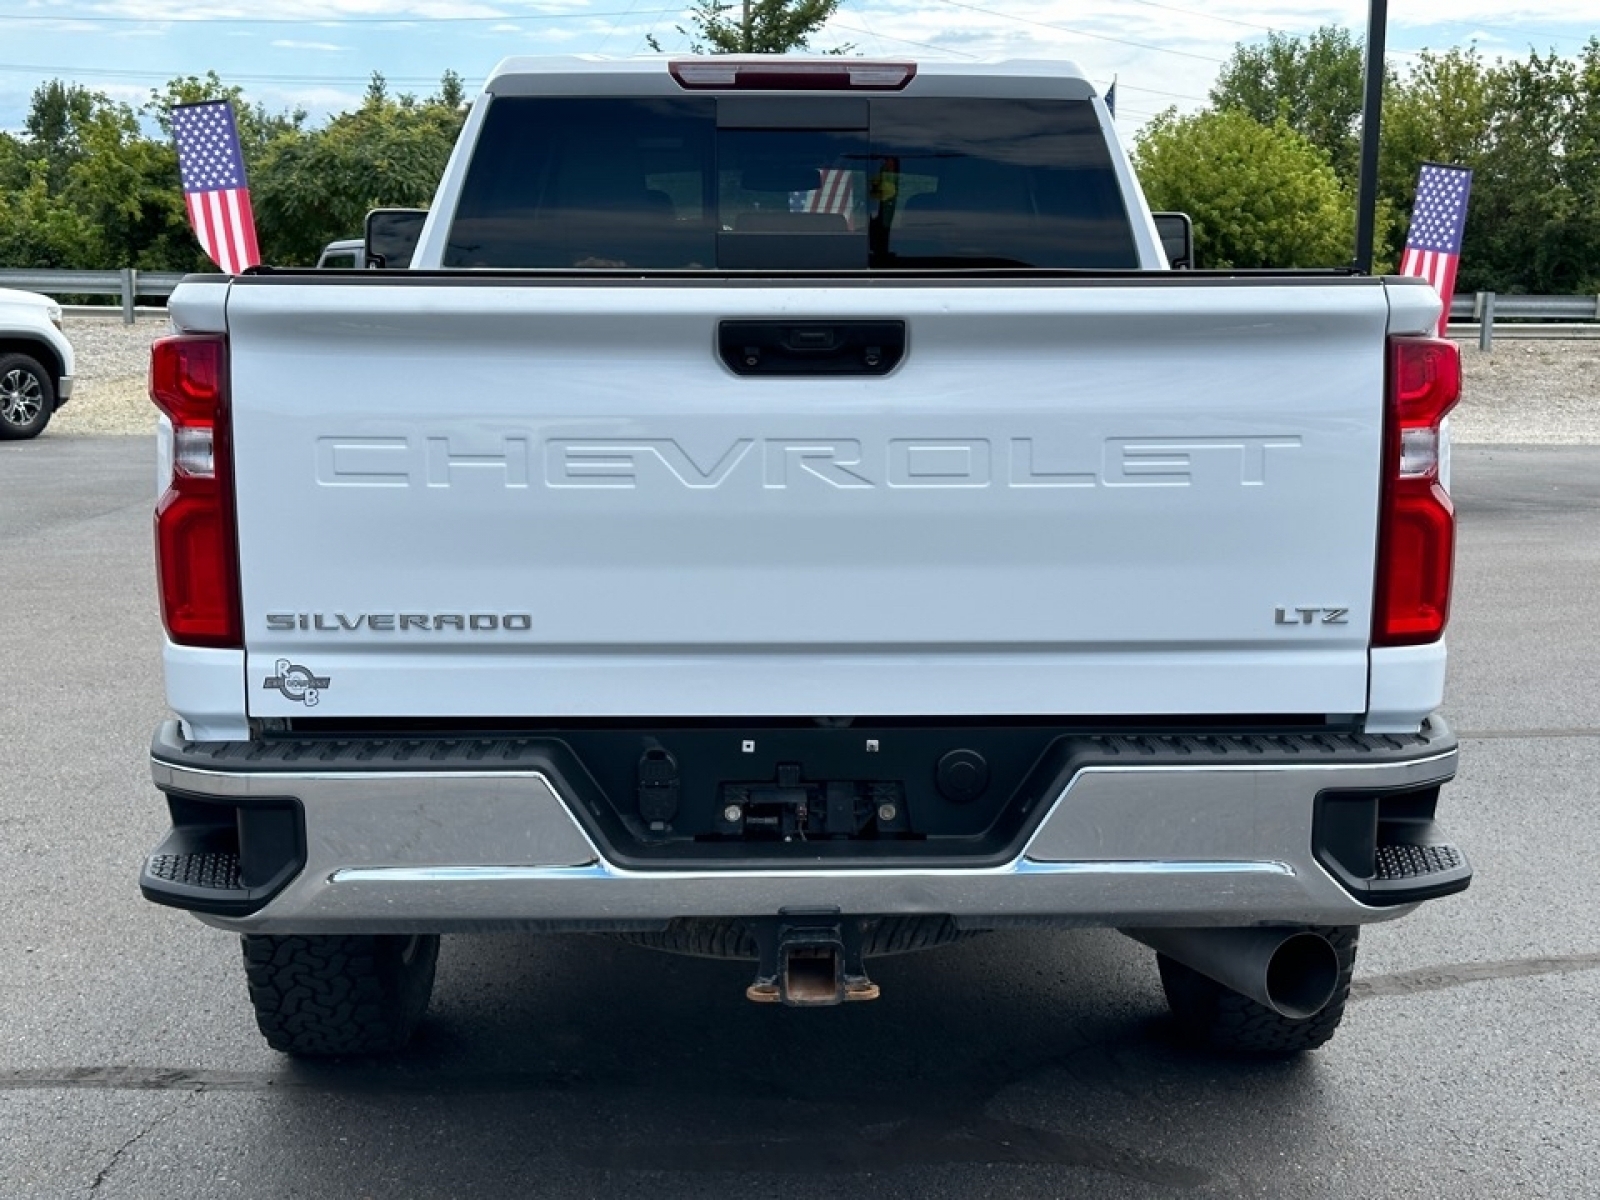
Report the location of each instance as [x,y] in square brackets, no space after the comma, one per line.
[211,166]
[836,193]
[1433,244]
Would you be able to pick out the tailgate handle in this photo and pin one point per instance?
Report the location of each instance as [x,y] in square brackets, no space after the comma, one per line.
[811,347]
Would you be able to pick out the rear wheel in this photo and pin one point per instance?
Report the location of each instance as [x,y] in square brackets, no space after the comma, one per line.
[323,996]
[27,397]
[1217,1017]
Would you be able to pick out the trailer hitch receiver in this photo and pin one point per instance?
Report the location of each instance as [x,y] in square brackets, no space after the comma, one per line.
[809,960]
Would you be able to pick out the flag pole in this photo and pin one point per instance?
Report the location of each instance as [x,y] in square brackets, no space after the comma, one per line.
[1371,117]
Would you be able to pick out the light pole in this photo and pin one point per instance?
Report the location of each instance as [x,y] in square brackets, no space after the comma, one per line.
[1371,117]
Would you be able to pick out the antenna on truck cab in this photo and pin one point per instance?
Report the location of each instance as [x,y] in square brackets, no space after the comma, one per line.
[1371,115]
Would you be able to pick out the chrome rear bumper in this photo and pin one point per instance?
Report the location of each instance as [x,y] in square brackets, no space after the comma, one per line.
[1230,839]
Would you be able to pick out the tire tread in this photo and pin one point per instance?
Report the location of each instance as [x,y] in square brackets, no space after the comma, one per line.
[321,996]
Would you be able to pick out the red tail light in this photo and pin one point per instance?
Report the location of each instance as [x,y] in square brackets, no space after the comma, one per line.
[1417,523]
[197,559]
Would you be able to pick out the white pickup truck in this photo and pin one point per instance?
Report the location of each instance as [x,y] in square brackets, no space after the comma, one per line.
[789,509]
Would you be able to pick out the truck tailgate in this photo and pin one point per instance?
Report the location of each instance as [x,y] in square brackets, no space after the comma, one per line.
[493,498]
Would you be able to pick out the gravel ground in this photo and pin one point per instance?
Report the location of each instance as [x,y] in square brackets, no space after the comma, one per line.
[1533,391]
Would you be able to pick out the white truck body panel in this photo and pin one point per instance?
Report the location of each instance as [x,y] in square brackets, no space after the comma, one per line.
[1119,526]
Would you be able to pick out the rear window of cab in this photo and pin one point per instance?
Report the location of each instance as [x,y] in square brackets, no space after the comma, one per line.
[790,183]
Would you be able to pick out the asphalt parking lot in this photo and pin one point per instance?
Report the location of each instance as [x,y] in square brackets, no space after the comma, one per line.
[1020,1064]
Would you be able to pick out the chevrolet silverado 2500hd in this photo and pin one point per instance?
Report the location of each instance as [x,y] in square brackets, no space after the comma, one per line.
[789,509]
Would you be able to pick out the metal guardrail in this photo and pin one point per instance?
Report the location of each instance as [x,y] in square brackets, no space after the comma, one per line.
[128,284]
[1485,308]
[1566,331]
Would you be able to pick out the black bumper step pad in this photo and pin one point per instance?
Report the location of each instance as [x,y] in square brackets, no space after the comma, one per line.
[211,871]
[1407,872]
[1403,862]
[225,856]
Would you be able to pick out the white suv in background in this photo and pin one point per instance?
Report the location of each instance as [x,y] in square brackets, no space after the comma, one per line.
[35,363]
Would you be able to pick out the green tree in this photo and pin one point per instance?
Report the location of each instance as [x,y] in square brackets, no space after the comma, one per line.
[1529,128]
[258,128]
[451,93]
[757,26]
[1582,167]
[319,186]
[1523,214]
[86,188]
[56,116]
[1438,112]
[36,230]
[1312,84]
[84,185]
[15,157]
[125,184]
[1259,195]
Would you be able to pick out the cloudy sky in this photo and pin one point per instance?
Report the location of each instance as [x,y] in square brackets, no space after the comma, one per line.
[319,53]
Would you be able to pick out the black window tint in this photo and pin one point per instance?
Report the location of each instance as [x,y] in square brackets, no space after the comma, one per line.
[792,199]
[588,183]
[1004,182]
[654,184]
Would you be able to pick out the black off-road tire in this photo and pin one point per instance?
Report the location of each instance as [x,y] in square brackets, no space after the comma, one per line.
[320,997]
[1218,1018]
[27,397]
